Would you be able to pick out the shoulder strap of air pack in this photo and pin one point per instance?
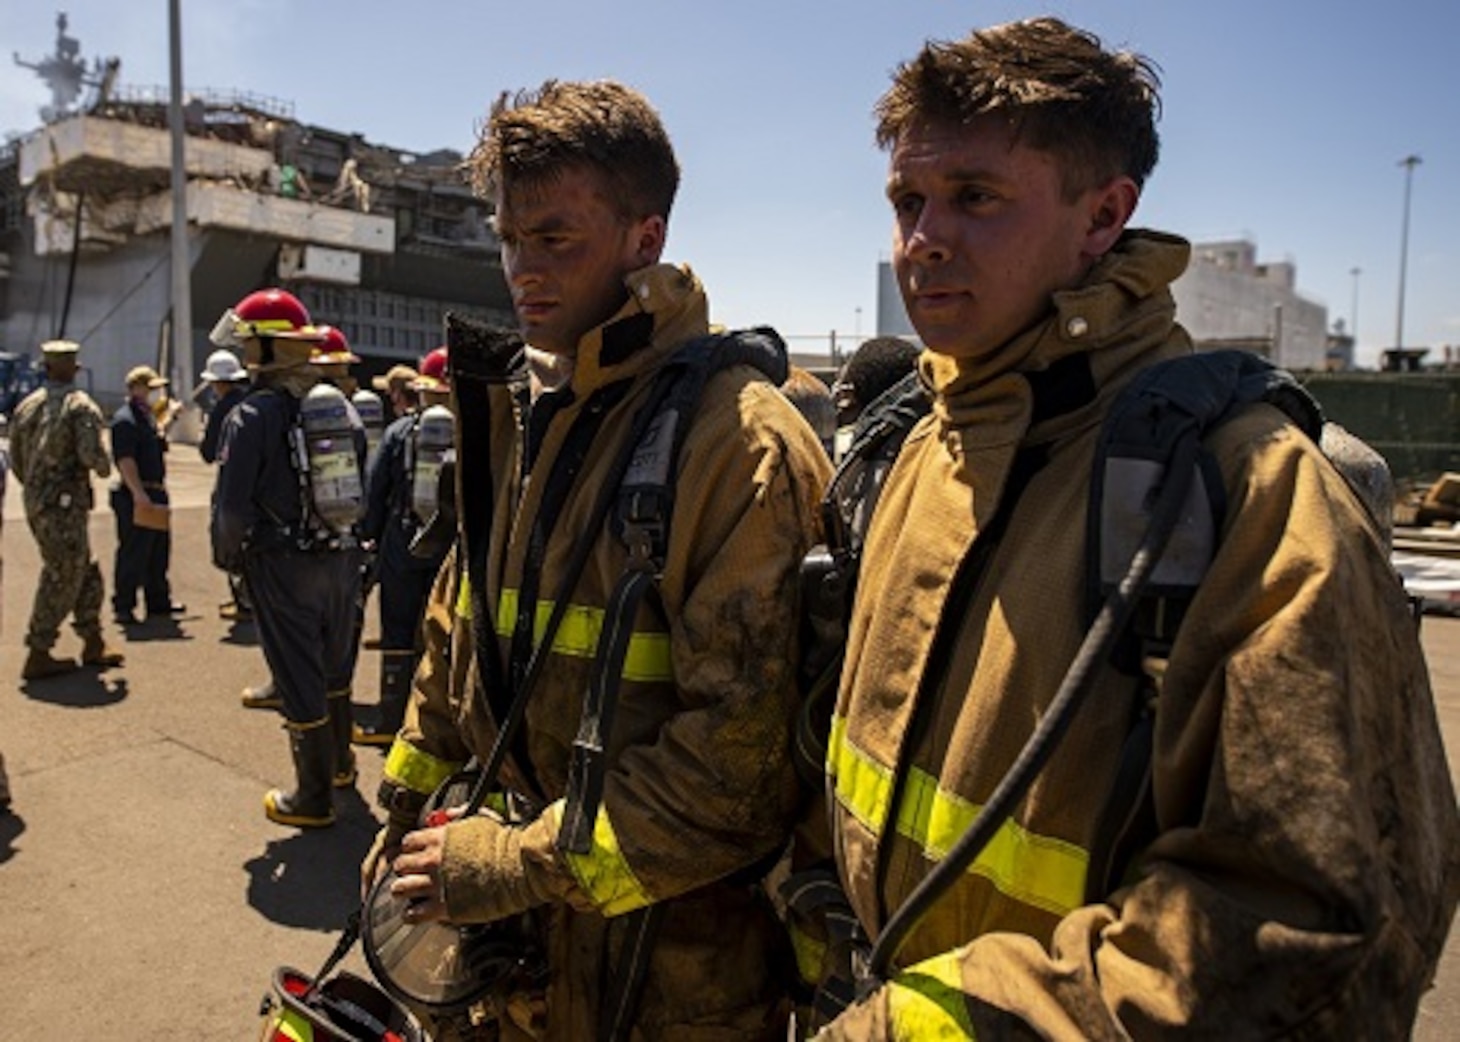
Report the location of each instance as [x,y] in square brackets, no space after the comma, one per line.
[1161,405]
[644,507]
[645,504]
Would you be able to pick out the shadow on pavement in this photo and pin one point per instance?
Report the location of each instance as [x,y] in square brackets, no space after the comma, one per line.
[242,633]
[83,689]
[311,879]
[11,826]
[156,629]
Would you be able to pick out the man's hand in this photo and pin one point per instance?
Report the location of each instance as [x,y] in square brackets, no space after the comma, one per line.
[481,859]
[418,875]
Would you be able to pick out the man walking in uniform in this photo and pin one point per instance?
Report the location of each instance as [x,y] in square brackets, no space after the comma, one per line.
[55,448]
[300,570]
[144,547]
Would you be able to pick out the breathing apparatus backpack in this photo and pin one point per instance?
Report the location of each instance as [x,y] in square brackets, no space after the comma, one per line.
[326,460]
[1152,527]
[636,503]
[432,437]
[371,411]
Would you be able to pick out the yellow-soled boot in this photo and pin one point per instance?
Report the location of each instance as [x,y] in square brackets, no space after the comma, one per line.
[311,804]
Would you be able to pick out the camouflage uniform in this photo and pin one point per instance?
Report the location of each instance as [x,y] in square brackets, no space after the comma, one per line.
[55,445]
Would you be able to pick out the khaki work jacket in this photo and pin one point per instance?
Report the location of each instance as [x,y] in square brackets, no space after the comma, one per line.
[1304,871]
[700,790]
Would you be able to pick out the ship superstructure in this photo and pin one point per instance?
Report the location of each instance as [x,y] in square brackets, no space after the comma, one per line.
[377,241]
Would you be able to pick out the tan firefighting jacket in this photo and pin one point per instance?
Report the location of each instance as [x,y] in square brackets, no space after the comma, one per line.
[1305,871]
[700,785]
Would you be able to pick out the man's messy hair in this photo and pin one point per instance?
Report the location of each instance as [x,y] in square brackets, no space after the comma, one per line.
[1059,89]
[532,137]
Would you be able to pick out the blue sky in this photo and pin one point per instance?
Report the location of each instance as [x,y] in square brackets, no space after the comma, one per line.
[1284,121]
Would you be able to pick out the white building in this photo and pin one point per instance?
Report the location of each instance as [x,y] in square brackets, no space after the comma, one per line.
[1227,299]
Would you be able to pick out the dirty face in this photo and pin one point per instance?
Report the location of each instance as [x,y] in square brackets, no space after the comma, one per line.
[984,235]
[565,252]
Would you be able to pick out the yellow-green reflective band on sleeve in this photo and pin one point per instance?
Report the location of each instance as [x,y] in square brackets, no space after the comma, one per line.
[810,954]
[648,658]
[863,785]
[463,598]
[416,770]
[926,1002]
[602,873]
[1041,871]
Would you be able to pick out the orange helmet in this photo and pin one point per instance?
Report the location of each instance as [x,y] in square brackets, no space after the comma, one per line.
[273,314]
[333,348]
[435,372]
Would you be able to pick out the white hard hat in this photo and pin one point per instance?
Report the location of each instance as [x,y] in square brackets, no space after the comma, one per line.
[223,366]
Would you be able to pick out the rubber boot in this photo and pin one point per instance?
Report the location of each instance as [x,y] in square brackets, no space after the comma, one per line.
[341,723]
[397,668]
[39,664]
[262,696]
[94,652]
[311,804]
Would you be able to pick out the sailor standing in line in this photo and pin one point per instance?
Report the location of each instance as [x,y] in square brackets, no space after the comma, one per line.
[284,514]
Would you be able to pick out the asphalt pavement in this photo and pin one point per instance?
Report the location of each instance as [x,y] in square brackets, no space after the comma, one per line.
[143,894]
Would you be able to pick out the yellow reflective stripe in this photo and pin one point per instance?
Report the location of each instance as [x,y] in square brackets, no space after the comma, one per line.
[463,598]
[602,873]
[810,953]
[927,1001]
[863,785]
[291,1025]
[1042,871]
[417,770]
[648,657]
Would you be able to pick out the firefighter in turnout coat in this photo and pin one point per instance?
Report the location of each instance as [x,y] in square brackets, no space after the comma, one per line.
[699,792]
[1296,870]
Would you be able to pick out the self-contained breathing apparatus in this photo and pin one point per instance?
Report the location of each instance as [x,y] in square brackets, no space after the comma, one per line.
[323,451]
[1153,525]
[371,411]
[432,438]
[636,501]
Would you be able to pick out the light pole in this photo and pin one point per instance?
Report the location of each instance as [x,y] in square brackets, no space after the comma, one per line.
[181,368]
[1409,163]
[1353,314]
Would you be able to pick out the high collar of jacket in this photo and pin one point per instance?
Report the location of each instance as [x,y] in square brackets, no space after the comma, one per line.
[666,307]
[1053,378]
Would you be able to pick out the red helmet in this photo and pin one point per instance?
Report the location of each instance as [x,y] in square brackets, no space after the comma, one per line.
[435,372]
[333,348]
[265,314]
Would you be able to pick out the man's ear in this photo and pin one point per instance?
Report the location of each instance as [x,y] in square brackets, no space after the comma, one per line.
[646,240]
[1109,207]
